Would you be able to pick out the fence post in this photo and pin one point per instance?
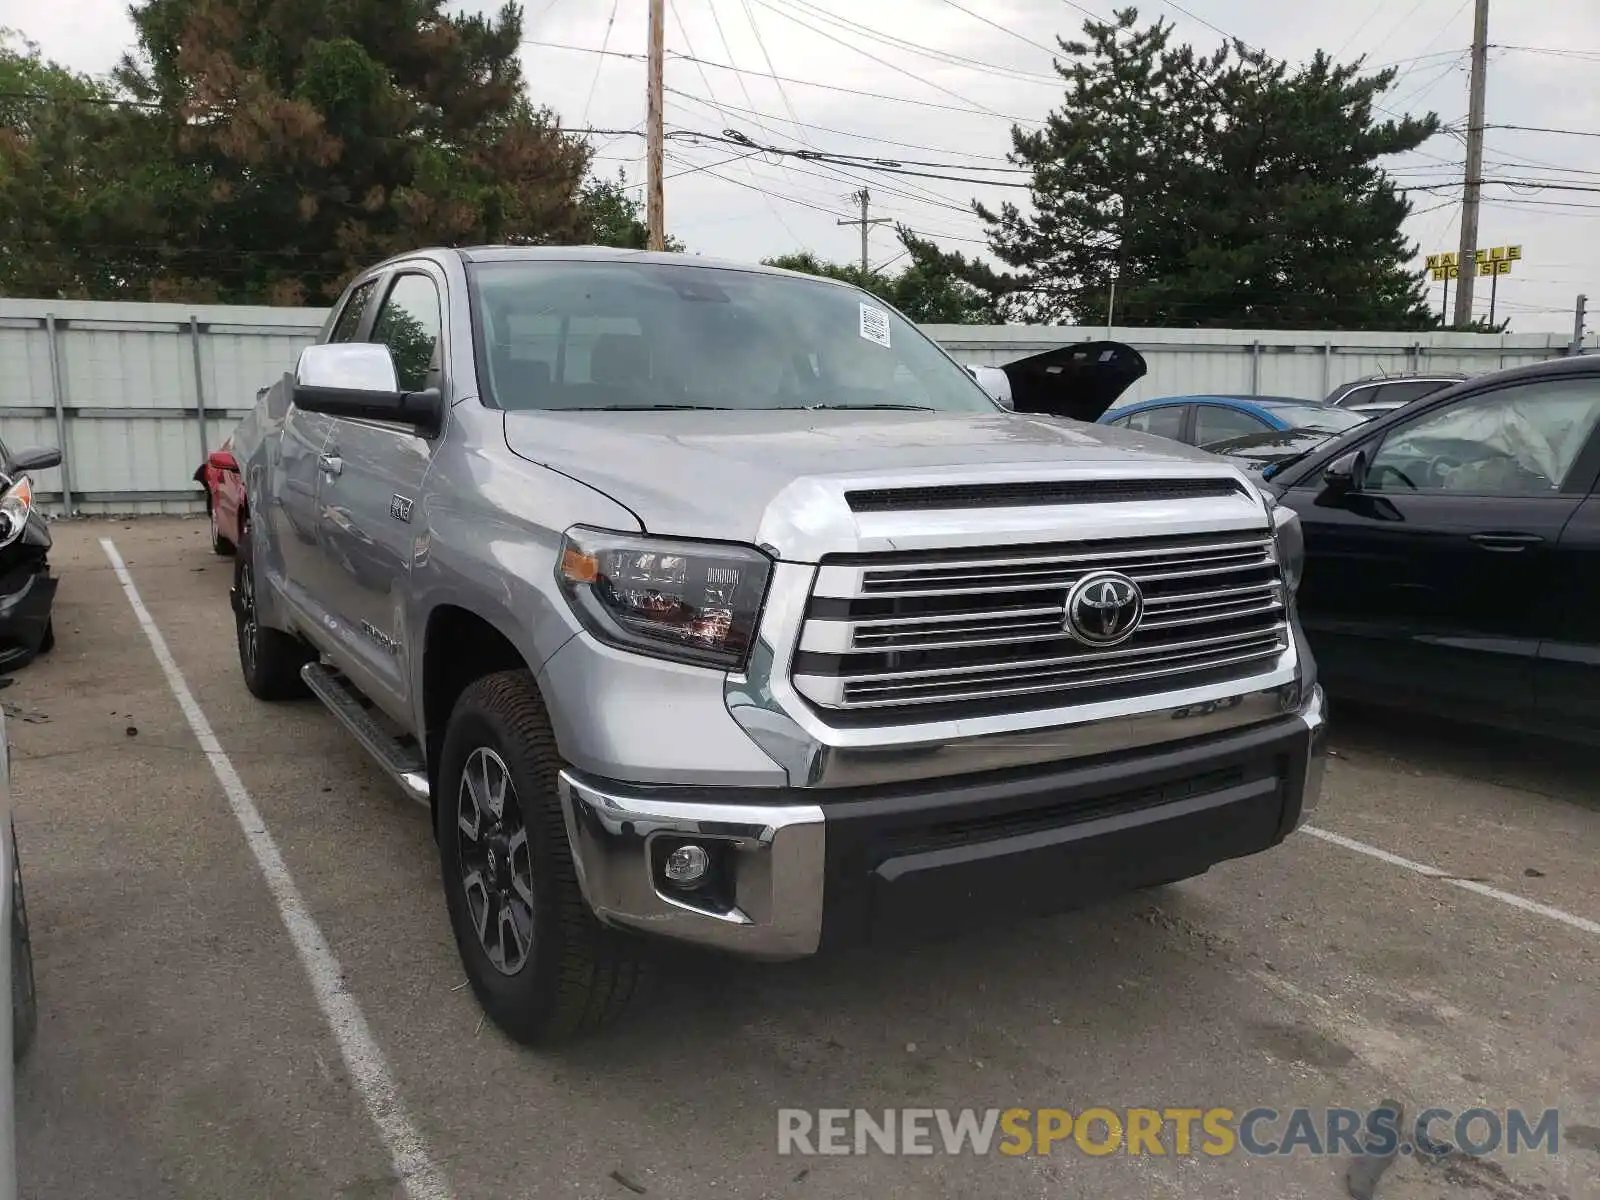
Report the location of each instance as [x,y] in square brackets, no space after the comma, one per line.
[1327,370]
[58,399]
[1255,368]
[199,384]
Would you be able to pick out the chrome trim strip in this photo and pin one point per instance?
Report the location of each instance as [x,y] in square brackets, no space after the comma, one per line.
[778,860]
[1315,715]
[867,696]
[1085,658]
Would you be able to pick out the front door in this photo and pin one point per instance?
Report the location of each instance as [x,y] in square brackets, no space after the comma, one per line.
[371,514]
[1435,580]
[295,567]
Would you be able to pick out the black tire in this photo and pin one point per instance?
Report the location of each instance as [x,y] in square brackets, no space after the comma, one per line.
[219,544]
[48,642]
[269,659]
[24,997]
[575,975]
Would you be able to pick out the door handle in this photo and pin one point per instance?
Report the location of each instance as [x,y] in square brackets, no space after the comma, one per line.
[1506,541]
[331,464]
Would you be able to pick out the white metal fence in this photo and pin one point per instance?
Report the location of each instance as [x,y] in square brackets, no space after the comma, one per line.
[136,394]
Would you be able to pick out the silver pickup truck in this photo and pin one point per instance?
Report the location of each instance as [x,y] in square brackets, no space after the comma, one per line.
[720,604]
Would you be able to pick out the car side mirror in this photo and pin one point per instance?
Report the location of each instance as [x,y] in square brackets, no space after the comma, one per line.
[36,458]
[358,380]
[1344,474]
[222,460]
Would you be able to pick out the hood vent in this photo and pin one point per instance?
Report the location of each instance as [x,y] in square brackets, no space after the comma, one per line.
[1017,495]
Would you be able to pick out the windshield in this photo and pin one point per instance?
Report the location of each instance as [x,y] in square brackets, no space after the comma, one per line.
[1329,420]
[563,335]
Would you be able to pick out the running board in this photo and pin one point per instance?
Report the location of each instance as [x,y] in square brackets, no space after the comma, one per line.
[400,757]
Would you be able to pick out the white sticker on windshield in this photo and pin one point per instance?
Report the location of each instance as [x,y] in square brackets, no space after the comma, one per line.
[875,325]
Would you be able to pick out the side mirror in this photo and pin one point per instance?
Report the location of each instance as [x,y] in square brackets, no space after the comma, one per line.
[358,380]
[36,458]
[1344,474]
[222,460]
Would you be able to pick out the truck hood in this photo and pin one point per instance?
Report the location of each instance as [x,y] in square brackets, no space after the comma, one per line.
[715,474]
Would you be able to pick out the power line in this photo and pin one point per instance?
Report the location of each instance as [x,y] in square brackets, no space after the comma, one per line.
[684,30]
[860,137]
[1580,55]
[887,39]
[782,79]
[1214,28]
[772,71]
[995,25]
[1546,129]
[605,42]
[883,62]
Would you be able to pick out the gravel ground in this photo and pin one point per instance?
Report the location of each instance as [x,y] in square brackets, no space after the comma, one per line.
[183,1052]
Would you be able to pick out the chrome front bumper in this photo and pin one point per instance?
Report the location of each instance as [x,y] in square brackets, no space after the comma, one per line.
[783,866]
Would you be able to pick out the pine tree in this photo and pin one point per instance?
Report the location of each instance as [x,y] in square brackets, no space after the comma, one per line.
[1220,190]
[305,140]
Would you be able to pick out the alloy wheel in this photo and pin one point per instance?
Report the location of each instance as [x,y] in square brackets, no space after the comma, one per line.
[247,613]
[496,869]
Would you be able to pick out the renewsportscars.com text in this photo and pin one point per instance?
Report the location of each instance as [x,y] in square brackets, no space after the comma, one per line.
[1166,1131]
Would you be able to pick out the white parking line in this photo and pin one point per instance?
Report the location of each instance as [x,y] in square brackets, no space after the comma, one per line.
[419,1174]
[1470,885]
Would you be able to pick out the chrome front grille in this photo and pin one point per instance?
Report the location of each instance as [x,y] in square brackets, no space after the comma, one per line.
[987,628]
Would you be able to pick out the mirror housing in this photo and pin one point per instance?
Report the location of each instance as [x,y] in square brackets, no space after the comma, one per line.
[1344,474]
[358,380]
[36,458]
[222,460]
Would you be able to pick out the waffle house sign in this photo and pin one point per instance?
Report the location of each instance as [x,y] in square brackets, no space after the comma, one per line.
[1496,261]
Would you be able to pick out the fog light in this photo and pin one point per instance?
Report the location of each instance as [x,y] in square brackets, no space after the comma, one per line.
[687,865]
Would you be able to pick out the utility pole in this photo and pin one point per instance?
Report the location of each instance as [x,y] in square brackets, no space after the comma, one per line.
[1577,326]
[655,203]
[864,198]
[1467,259]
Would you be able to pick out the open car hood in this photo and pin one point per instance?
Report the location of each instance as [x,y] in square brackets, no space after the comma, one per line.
[1079,381]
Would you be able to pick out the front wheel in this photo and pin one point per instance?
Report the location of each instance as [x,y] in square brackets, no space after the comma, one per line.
[541,965]
[269,659]
[24,999]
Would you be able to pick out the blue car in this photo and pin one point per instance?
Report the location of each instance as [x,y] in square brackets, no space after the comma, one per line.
[1202,420]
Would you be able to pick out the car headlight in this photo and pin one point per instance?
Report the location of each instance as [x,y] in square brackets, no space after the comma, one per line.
[15,505]
[692,602]
[1291,539]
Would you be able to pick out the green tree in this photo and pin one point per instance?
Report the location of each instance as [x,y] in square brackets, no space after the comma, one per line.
[1222,190]
[307,140]
[612,218]
[934,288]
[70,179]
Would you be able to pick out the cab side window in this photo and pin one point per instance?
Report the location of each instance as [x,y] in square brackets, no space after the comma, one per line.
[1164,422]
[409,323]
[1516,441]
[1215,423]
[344,329]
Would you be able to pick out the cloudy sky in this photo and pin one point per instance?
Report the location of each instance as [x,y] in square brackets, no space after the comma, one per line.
[944,80]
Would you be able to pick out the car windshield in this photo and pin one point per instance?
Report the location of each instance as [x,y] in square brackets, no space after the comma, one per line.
[1327,420]
[564,335]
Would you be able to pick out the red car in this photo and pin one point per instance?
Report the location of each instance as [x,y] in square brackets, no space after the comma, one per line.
[219,475]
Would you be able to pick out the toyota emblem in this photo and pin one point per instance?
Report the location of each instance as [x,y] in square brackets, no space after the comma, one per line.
[1103,608]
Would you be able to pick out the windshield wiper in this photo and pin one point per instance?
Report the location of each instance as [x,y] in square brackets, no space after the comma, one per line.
[899,407]
[646,408]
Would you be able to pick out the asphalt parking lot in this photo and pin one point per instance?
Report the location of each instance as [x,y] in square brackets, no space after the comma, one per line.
[183,1051]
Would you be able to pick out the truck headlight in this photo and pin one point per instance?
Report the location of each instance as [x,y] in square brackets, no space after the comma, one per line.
[1291,541]
[15,505]
[693,602]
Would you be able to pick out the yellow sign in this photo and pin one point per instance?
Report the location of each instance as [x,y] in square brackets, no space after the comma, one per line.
[1496,260]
